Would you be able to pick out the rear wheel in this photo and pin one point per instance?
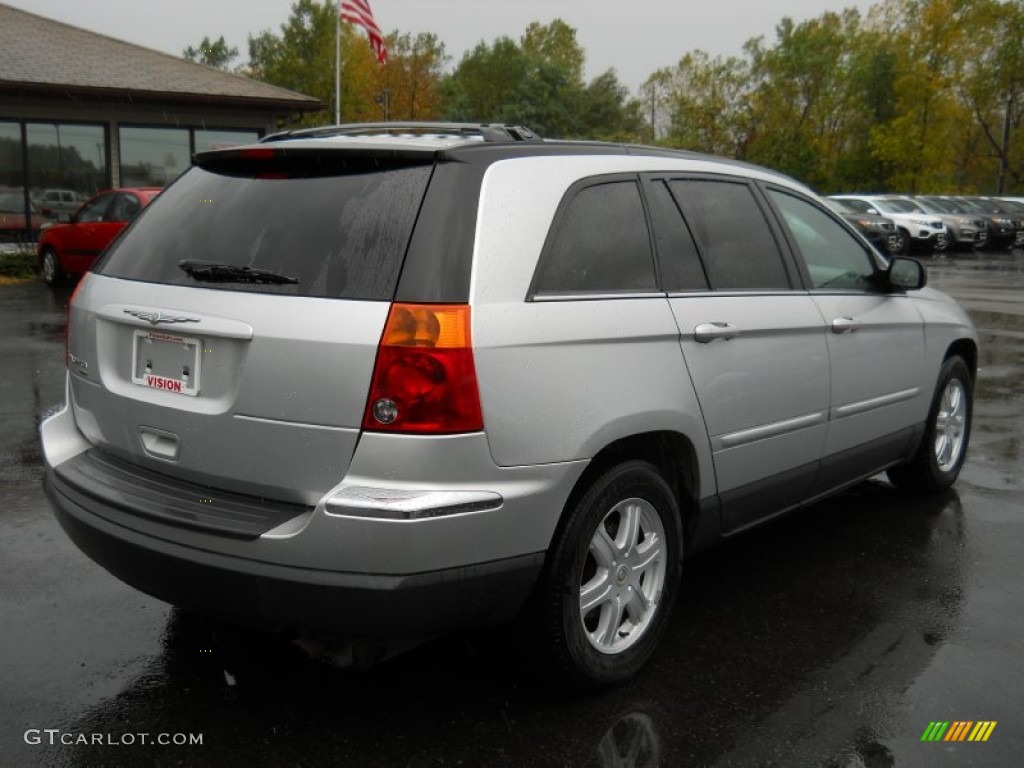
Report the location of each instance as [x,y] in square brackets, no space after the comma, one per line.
[51,271]
[943,449]
[613,575]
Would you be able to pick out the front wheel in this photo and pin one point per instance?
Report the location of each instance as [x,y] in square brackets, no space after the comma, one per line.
[897,243]
[943,449]
[51,271]
[613,575]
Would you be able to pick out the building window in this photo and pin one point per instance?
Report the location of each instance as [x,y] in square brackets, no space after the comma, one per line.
[11,167]
[153,157]
[67,163]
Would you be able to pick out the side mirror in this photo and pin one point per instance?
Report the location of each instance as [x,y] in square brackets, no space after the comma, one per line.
[873,212]
[907,274]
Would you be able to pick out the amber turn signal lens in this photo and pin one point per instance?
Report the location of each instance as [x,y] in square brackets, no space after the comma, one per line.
[424,380]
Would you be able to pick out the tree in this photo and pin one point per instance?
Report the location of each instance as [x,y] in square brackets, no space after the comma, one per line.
[991,84]
[302,58]
[212,54]
[538,82]
[411,80]
[707,103]
[921,142]
[607,113]
[802,101]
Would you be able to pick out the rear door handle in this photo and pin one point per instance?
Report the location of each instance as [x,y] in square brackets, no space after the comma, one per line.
[705,333]
[846,325]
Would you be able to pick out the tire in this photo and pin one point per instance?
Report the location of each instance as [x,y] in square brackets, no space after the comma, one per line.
[897,244]
[941,244]
[50,268]
[908,242]
[940,456]
[610,585]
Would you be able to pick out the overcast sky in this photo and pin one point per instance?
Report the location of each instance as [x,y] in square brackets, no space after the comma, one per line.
[635,37]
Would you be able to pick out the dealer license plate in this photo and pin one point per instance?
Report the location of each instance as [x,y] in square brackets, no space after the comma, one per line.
[166,362]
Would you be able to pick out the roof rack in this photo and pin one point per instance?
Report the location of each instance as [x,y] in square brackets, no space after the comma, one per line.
[489,132]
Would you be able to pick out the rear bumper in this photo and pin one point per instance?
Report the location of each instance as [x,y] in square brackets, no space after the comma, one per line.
[459,542]
[357,605]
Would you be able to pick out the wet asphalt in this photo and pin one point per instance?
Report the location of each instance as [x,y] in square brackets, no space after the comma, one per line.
[831,638]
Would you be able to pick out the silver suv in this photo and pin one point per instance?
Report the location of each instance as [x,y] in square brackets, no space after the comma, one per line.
[389,381]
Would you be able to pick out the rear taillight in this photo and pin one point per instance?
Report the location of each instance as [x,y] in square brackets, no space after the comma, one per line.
[424,380]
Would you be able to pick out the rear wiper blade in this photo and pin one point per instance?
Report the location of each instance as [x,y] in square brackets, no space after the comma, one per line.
[215,272]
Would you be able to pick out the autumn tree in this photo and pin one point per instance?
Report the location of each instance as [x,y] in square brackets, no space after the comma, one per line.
[921,142]
[411,80]
[301,57]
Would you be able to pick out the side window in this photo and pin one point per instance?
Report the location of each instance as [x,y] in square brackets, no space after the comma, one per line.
[735,241]
[834,258]
[599,243]
[681,269]
[123,209]
[94,211]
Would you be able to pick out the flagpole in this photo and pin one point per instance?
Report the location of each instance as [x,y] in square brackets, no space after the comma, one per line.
[337,65]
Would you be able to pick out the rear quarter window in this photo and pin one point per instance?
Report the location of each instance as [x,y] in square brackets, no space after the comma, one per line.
[341,228]
[599,244]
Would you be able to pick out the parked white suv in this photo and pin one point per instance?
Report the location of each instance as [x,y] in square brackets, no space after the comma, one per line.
[923,231]
[388,381]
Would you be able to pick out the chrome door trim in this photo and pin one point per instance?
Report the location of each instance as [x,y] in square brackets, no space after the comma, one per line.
[765,431]
[853,409]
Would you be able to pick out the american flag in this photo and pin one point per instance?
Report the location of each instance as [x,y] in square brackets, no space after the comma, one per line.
[358,12]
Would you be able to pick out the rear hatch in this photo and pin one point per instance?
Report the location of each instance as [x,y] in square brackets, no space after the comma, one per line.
[229,337]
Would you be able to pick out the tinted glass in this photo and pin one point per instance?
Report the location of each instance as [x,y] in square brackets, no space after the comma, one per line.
[732,233]
[834,258]
[680,265]
[337,226]
[599,244]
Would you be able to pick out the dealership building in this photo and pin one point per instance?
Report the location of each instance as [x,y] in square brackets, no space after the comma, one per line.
[80,112]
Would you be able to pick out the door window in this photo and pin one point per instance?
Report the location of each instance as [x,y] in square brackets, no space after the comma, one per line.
[123,209]
[735,241]
[834,257]
[677,253]
[94,210]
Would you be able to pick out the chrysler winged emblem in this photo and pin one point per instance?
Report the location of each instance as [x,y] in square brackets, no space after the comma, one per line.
[155,318]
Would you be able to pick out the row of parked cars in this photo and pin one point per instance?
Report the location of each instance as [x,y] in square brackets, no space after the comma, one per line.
[900,223]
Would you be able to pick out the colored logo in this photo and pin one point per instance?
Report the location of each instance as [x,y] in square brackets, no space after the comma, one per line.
[959,730]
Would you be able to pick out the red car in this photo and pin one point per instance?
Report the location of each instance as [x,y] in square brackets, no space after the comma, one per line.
[72,248]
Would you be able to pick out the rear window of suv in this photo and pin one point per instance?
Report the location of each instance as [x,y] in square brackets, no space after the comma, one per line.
[339,225]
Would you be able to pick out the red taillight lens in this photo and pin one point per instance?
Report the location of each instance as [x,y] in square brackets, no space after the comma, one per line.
[424,381]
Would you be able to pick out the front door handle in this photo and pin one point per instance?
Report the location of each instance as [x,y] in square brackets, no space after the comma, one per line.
[846,325]
[705,333]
